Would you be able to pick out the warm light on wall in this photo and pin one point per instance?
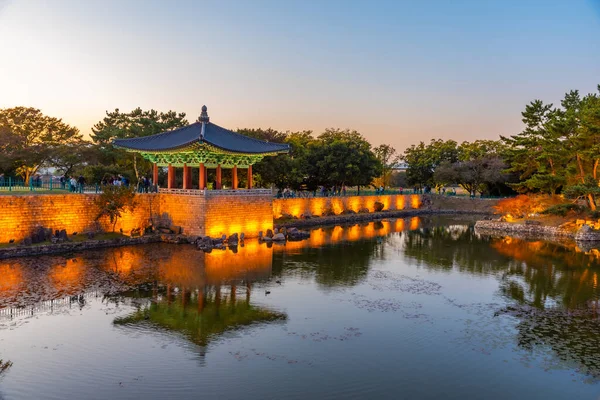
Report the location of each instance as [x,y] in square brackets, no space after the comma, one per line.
[354,203]
[317,206]
[385,200]
[400,202]
[415,201]
[337,205]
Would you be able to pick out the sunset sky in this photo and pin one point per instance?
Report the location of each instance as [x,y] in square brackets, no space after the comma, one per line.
[397,71]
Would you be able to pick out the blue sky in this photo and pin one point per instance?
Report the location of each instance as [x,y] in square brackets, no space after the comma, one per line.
[397,71]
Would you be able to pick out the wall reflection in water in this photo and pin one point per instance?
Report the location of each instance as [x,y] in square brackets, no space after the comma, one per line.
[551,288]
[174,287]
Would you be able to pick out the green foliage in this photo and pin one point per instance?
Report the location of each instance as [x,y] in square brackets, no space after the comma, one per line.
[282,170]
[479,169]
[335,158]
[563,209]
[113,201]
[388,158]
[94,174]
[30,139]
[559,149]
[137,123]
[342,157]
[423,159]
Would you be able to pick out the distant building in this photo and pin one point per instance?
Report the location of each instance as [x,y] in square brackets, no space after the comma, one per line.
[400,167]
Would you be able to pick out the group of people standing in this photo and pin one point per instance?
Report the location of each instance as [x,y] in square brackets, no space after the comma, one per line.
[118,180]
[75,185]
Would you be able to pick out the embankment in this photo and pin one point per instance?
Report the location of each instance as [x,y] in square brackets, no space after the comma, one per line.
[534,231]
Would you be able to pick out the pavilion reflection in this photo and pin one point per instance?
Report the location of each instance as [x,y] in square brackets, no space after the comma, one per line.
[202,295]
[126,272]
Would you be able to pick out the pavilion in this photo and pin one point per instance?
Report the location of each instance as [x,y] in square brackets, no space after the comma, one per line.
[202,145]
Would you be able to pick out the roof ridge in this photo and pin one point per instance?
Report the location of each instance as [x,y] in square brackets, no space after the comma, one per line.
[249,138]
[161,134]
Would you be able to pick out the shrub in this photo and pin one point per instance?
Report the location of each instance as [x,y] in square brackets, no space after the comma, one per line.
[113,201]
[563,209]
[523,205]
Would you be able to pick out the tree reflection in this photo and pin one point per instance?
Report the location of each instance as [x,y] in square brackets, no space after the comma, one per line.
[552,288]
[201,314]
[451,247]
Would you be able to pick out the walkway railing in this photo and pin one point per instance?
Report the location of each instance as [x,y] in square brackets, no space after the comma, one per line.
[19,185]
[223,192]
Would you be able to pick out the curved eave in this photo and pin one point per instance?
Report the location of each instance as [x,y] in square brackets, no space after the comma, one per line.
[229,151]
[191,146]
[197,145]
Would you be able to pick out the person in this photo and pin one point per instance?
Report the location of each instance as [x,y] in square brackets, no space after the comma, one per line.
[81,182]
[344,190]
[146,184]
[63,182]
[72,184]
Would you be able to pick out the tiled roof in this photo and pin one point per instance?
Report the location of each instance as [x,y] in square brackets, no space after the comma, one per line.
[214,135]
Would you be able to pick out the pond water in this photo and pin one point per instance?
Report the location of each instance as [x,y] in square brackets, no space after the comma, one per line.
[406,308]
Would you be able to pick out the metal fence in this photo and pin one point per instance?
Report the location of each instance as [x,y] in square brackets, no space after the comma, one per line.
[11,184]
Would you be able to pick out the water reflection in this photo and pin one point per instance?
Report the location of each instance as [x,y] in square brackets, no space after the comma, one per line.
[339,256]
[548,291]
[176,288]
[552,288]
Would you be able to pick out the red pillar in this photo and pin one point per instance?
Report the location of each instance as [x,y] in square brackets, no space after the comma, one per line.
[249,176]
[219,186]
[234,178]
[189,177]
[202,177]
[155,174]
[186,177]
[170,177]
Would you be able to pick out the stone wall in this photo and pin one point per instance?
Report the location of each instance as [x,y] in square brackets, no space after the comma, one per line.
[522,230]
[20,215]
[203,214]
[186,211]
[248,213]
[318,206]
[210,213]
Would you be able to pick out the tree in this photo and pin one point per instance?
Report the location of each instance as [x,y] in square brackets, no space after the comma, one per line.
[341,158]
[73,157]
[423,159]
[283,170]
[137,123]
[536,154]
[29,139]
[559,148]
[113,201]
[388,158]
